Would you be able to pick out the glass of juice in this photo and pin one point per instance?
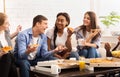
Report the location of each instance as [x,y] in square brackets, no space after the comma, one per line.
[81,65]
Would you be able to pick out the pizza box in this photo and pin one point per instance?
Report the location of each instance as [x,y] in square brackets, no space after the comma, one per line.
[104,62]
[63,64]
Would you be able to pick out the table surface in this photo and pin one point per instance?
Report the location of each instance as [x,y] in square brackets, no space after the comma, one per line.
[75,72]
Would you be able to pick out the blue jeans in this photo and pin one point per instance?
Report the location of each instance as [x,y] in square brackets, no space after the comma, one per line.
[24,65]
[90,52]
[74,54]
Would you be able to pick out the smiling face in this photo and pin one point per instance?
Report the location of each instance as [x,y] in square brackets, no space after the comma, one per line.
[86,20]
[90,20]
[61,22]
[5,24]
[42,26]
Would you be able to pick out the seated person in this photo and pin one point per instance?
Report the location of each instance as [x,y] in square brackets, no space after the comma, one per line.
[108,48]
[31,46]
[60,35]
[88,36]
[7,61]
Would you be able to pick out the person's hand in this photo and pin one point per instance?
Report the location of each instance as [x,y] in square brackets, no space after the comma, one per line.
[31,48]
[94,32]
[66,55]
[60,48]
[119,39]
[19,28]
[83,42]
[107,46]
[2,53]
[70,31]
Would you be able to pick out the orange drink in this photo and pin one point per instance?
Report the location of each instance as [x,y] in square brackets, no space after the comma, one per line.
[81,65]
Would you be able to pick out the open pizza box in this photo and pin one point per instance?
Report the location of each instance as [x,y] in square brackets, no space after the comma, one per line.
[104,62]
[63,64]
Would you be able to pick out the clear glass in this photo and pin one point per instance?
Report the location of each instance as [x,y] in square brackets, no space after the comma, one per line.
[82,63]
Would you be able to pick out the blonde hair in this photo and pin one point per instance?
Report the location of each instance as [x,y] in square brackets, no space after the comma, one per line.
[2,18]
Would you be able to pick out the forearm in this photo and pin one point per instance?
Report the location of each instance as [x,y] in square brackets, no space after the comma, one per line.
[89,38]
[116,46]
[14,34]
[58,56]
[18,29]
[91,45]
[68,44]
[92,35]
[66,55]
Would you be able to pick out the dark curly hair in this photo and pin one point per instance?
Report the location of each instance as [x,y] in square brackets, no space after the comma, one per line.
[66,15]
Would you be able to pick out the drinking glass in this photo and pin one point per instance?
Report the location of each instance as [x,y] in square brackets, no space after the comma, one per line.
[82,63]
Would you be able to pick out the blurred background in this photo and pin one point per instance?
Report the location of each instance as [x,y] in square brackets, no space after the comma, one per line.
[21,12]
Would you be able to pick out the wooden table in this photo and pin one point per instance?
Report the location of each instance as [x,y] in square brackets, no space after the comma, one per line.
[76,73]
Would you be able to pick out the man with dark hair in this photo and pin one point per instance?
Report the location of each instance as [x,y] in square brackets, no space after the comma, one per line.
[31,46]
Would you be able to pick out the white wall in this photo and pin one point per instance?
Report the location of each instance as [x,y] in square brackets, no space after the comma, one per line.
[1,5]
[107,6]
[22,11]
